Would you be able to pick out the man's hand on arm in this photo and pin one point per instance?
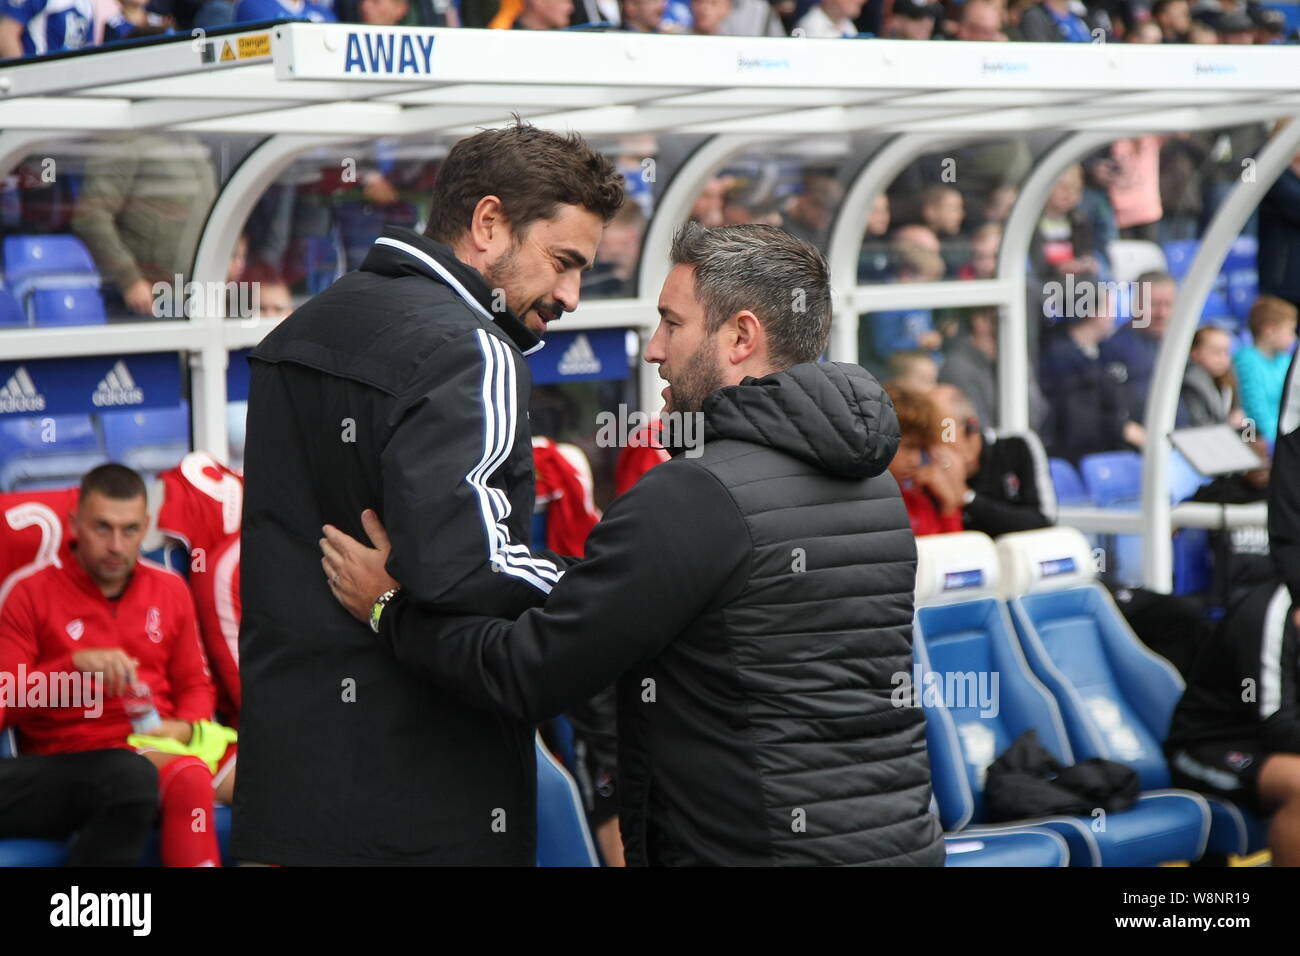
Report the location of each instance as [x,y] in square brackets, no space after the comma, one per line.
[356,573]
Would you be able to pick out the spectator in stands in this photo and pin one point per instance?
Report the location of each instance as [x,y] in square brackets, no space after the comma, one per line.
[708,207]
[914,370]
[830,18]
[913,20]
[273,298]
[754,18]
[708,16]
[1065,242]
[942,209]
[1210,395]
[540,14]
[1270,24]
[642,16]
[614,274]
[35,27]
[874,264]
[896,330]
[1131,175]
[1181,176]
[985,243]
[931,493]
[1001,200]
[1245,747]
[1235,28]
[252,11]
[808,214]
[915,234]
[1052,21]
[1279,236]
[106,801]
[100,610]
[1174,18]
[1262,367]
[1147,31]
[144,200]
[384,13]
[982,21]
[1084,412]
[970,363]
[1130,354]
[1003,480]
[1200,33]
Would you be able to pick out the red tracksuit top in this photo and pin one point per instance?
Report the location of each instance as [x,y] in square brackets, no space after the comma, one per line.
[59,610]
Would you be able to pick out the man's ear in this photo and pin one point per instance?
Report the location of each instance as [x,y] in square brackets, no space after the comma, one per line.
[488,217]
[749,341]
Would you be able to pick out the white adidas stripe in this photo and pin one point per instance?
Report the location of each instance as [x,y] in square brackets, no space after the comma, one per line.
[499,410]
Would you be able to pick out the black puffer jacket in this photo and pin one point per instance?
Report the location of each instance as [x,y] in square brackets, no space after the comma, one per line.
[757,600]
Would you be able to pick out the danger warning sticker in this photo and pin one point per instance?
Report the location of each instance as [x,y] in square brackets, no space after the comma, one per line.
[259,44]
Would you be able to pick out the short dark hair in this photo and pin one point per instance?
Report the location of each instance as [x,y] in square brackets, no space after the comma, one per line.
[533,171]
[112,481]
[779,277]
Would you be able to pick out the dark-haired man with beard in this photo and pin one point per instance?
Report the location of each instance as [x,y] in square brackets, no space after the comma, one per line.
[403,388]
[754,602]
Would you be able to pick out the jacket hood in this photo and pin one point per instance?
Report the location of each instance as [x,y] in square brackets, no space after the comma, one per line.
[834,415]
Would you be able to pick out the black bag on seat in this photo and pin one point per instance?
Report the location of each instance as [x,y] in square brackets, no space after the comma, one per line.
[1027,781]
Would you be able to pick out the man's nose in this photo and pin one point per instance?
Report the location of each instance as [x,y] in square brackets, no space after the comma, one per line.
[569,291]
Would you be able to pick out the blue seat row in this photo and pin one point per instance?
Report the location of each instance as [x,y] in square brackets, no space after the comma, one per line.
[1021,637]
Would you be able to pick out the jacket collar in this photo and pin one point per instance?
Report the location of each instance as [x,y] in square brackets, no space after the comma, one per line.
[405,252]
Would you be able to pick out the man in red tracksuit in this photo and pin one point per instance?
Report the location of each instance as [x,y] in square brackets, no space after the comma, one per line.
[100,612]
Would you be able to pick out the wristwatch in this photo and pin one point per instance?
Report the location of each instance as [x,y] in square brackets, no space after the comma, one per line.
[377,609]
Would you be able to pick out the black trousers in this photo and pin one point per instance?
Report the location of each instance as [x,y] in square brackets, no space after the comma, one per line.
[107,799]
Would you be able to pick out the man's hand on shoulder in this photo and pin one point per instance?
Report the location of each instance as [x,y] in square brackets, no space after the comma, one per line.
[356,573]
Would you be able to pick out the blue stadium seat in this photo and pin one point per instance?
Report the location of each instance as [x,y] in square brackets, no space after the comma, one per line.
[71,306]
[320,262]
[24,852]
[1242,293]
[11,313]
[1069,486]
[562,835]
[50,451]
[47,262]
[1217,310]
[1242,255]
[1114,480]
[27,256]
[962,637]
[1020,846]
[1116,696]
[149,440]
[1179,254]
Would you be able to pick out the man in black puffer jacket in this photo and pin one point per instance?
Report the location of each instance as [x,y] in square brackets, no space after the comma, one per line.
[755,594]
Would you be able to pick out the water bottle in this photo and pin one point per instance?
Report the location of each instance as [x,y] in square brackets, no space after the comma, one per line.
[139,706]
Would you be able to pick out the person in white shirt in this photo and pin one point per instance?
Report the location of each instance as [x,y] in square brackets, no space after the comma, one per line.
[830,18]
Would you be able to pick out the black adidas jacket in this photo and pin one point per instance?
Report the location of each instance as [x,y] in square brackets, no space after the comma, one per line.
[397,388]
[757,600]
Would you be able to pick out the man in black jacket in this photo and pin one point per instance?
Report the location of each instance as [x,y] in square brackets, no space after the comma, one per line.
[403,388]
[1008,487]
[755,597]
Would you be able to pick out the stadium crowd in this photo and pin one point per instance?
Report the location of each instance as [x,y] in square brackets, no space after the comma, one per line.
[32,27]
